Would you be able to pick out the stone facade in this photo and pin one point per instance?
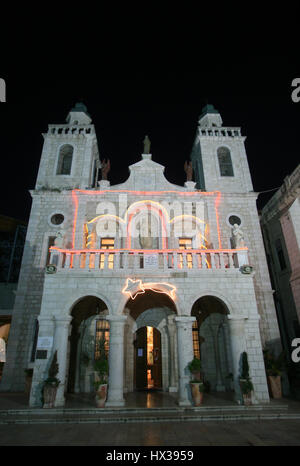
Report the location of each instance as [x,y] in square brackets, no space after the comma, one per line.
[108,263]
[280,221]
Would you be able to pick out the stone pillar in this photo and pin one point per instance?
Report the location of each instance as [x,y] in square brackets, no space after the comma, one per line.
[185,355]
[41,366]
[116,360]
[172,332]
[238,345]
[256,364]
[61,337]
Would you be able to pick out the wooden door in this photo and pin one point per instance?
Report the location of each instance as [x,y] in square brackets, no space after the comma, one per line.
[141,358]
[157,371]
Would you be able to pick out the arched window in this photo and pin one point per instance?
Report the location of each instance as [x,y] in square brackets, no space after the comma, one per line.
[65,160]
[225,162]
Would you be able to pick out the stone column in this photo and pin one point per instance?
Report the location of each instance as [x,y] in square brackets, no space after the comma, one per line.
[116,360]
[61,336]
[237,338]
[185,355]
[172,330]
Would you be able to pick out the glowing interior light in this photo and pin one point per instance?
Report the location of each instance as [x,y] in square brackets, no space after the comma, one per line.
[135,287]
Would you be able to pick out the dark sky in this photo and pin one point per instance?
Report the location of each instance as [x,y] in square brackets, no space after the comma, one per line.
[255,96]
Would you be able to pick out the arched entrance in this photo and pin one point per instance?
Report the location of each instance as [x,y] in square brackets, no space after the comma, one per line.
[212,338]
[87,327]
[150,352]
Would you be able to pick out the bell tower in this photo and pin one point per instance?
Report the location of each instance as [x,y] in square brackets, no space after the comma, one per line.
[218,156]
[70,156]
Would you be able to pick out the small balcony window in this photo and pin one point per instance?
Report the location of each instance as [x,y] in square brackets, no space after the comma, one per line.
[107,243]
[185,243]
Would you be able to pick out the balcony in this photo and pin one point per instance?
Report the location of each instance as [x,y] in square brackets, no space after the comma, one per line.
[168,260]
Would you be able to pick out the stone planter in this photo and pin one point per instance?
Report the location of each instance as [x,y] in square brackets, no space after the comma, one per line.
[275,386]
[101,396]
[247,397]
[49,393]
[196,393]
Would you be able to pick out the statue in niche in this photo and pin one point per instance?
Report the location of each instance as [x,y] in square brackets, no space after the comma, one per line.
[105,168]
[237,237]
[147,144]
[146,240]
[188,168]
[59,240]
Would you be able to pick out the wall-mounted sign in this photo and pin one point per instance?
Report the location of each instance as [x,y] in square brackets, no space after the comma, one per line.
[150,261]
[44,343]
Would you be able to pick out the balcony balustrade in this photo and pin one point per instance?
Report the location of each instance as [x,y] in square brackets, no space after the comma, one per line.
[102,260]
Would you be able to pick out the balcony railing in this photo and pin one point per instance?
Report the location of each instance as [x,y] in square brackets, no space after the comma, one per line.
[147,260]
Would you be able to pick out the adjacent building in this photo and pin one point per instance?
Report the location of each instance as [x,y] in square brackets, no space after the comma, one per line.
[280,221]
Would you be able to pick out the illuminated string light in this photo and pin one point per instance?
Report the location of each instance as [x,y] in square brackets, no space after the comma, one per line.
[136,287]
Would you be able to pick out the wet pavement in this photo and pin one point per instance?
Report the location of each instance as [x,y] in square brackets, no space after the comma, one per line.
[283,428]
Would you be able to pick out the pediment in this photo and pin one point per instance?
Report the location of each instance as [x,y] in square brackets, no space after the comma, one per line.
[147,175]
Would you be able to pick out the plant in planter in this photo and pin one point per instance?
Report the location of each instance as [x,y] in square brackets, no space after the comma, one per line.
[245,380]
[51,384]
[274,367]
[101,375]
[197,386]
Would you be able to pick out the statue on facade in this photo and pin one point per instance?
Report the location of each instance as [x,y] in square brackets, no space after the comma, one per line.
[59,240]
[188,168]
[147,144]
[237,236]
[105,168]
[146,240]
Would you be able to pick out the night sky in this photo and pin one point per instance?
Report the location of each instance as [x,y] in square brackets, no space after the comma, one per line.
[255,96]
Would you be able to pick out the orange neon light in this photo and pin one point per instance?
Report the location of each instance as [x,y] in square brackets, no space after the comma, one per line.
[145,193]
[180,193]
[135,287]
[147,251]
[217,203]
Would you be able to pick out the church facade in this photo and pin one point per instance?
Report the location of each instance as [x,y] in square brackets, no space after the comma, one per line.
[162,272]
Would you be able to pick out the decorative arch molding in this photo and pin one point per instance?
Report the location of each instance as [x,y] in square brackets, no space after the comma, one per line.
[124,298]
[214,294]
[80,295]
[154,317]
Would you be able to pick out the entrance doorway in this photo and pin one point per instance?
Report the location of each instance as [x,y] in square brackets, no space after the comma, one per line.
[148,364]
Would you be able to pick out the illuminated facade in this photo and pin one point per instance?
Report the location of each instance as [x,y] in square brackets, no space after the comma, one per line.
[160,270]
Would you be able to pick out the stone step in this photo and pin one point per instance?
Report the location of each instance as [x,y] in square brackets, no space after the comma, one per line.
[132,410]
[102,416]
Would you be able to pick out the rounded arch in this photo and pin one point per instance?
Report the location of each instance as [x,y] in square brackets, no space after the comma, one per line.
[72,302]
[213,294]
[147,300]
[154,208]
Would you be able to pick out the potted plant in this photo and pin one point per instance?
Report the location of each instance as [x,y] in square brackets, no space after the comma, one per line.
[274,368]
[28,380]
[197,386]
[51,384]
[245,380]
[101,375]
